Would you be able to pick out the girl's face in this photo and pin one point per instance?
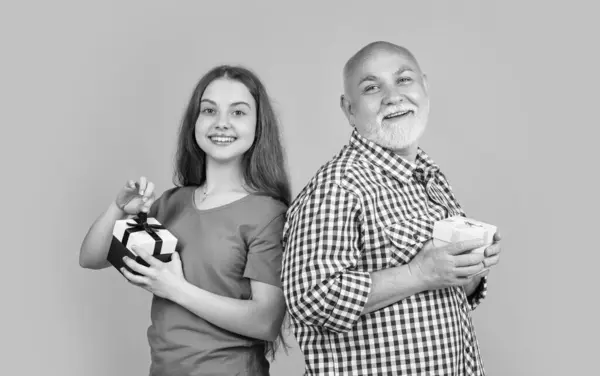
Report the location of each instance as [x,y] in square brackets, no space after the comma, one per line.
[226,125]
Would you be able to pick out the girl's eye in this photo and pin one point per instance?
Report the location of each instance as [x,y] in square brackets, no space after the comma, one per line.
[208,111]
[239,113]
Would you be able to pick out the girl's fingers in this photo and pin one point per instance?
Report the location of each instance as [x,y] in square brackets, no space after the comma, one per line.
[137,280]
[149,191]
[143,185]
[149,201]
[130,185]
[137,267]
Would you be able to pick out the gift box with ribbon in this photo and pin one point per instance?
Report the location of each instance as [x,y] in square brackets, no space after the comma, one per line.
[143,232]
[458,229]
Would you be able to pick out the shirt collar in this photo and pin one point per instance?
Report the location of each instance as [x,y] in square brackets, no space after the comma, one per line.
[423,168]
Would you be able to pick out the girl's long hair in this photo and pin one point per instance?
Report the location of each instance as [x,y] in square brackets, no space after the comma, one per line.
[263,165]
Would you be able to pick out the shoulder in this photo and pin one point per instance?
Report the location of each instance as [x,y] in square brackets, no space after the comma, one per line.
[170,201]
[261,216]
[265,206]
[174,194]
[338,169]
[337,177]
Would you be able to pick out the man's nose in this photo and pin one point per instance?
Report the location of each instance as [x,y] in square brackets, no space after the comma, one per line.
[392,96]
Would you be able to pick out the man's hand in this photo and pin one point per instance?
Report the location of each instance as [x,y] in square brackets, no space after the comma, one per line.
[448,265]
[492,253]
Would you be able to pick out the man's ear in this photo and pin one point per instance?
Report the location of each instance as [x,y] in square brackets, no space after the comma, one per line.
[425,83]
[347,109]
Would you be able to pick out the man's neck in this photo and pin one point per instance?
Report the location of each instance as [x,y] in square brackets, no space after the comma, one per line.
[409,153]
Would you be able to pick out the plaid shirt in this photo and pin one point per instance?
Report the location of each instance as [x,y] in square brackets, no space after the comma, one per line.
[366,210]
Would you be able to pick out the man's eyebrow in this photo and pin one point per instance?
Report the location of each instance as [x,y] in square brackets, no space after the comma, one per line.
[403,69]
[370,77]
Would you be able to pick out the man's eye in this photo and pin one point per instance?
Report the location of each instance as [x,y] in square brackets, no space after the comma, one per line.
[370,88]
[404,80]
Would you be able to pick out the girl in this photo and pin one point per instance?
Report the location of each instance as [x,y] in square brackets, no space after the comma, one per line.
[217,306]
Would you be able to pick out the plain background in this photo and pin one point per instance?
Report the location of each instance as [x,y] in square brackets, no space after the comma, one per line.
[92,94]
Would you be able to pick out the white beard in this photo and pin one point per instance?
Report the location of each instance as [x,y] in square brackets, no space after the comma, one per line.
[401,135]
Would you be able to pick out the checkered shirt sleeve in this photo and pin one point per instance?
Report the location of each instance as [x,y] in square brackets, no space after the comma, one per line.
[320,281]
[365,210]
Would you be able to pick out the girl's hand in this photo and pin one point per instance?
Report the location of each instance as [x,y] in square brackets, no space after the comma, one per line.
[136,197]
[163,279]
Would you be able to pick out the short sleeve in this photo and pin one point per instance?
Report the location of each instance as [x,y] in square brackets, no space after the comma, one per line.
[167,205]
[265,251]
[155,207]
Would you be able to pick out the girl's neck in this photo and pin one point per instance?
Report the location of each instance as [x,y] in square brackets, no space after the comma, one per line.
[223,177]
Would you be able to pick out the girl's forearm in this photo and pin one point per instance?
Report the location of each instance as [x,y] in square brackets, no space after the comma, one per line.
[246,317]
[96,243]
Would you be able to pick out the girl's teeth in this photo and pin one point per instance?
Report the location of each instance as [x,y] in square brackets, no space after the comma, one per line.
[222,139]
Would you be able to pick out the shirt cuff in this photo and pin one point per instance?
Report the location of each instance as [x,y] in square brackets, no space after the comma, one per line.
[347,299]
[478,295]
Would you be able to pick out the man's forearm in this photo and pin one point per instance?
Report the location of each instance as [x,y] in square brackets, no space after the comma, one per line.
[392,285]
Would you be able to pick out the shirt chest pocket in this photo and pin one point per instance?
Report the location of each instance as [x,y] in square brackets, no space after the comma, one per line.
[406,238]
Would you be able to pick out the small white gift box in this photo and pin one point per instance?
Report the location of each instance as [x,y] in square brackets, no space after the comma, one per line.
[458,229]
[145,233]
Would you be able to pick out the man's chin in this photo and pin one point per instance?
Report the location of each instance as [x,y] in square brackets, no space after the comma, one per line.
[400,145]
[399,140]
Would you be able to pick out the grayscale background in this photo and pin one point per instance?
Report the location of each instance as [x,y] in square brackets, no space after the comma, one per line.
[92,92]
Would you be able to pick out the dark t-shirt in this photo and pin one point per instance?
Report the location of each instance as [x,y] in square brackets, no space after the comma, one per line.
[221,250]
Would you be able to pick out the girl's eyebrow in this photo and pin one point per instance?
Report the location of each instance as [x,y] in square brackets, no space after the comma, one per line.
[231,105]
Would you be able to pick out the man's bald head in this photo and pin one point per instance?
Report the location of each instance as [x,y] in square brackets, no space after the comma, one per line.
[369,50]
[385,96]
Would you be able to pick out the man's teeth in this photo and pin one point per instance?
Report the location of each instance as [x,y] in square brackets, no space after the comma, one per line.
[395,114]
[222,139]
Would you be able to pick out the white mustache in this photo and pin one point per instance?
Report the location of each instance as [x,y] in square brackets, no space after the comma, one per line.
[396,110]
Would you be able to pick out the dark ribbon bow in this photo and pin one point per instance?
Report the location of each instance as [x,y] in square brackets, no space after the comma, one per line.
[471,224]
[141,224]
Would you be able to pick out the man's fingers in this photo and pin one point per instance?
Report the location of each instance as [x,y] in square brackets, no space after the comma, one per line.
[135,279]
[493,250]
[468,271]
[497,237]
[483,273]
[464,246]
[468,259]
[491,261]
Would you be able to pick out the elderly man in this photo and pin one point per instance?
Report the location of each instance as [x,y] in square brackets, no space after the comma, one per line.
[367,290]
